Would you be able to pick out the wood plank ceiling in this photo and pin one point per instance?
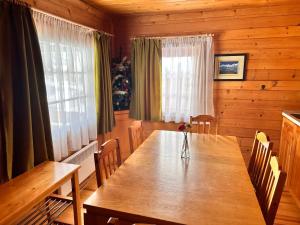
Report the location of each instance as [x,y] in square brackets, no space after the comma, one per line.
[156,6]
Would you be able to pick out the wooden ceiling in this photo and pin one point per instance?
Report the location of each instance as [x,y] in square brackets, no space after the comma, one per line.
[156,6]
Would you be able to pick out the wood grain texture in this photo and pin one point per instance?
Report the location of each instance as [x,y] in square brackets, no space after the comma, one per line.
[270,35]
[76,199]
[288,212]
[76,11]
[259,160]
[154,185]
[135,135]
[287,147]
[295,184]
[120,131]
[151,6]
[289,156]
[21,194]
[272,188]
[107,160]
[202,123]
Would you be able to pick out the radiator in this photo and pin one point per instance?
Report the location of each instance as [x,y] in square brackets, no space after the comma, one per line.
[84,158]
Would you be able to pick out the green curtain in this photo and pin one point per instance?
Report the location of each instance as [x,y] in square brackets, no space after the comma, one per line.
[146,79]
[103,88]
[25,117]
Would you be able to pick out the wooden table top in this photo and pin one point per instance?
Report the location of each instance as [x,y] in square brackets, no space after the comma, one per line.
[19,195]
[211,188]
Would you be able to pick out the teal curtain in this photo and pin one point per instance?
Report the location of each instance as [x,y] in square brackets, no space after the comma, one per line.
[25,125]
[103,86]
[146,56]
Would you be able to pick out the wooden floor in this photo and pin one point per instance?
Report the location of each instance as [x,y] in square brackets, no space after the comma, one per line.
[87,189]
[288,212]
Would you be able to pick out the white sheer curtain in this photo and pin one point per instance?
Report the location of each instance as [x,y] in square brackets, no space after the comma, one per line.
[67,52]
[187,77]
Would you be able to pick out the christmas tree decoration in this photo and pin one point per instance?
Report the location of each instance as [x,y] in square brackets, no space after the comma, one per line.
[121,83]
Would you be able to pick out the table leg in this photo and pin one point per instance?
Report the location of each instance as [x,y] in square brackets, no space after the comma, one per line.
[76,199]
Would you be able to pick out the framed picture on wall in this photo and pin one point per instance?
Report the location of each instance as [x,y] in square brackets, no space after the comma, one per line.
[230,66]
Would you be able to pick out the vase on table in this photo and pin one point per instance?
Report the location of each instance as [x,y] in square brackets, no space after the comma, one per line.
[185,151]
[184,128]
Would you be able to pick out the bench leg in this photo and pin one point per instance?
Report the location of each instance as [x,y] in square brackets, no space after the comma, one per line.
[76,199]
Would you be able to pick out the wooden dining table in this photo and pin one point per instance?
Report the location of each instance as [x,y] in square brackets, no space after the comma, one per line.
[155,185]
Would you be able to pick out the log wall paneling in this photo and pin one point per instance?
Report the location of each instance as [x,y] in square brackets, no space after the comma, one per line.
[76,11]
[150,6]
[120,131]
[270,34]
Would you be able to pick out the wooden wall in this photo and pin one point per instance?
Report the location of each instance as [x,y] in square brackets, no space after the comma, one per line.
[120,131]
[76,11]
[271,37]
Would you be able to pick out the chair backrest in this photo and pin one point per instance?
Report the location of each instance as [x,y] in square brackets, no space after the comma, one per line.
[260,158]
[202,123]
[269,196]
[135,135]
[107,160]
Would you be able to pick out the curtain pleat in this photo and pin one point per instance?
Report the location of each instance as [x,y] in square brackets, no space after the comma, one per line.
[25,116]
[187,77]
[68,60]
[103,87]
[146,79]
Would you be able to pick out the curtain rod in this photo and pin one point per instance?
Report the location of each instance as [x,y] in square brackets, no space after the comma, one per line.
[18,2]
[166,36]
[68,21]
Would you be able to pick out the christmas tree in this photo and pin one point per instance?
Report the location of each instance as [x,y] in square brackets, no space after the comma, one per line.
[121,83]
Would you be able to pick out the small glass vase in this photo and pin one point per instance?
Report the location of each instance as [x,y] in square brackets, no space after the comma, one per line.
[185,152]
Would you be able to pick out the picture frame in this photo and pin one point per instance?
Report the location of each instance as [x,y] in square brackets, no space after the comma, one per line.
[230,67]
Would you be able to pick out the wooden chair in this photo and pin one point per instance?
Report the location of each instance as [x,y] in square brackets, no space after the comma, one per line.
[269,196]
[135,135]
[203,121]
[107,160]
[260,158]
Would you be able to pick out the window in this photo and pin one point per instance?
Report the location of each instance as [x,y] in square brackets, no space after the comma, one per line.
[187,78]
[176,83]
[67,53]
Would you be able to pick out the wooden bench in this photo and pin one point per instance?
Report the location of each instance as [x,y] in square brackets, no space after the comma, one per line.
[29,199]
